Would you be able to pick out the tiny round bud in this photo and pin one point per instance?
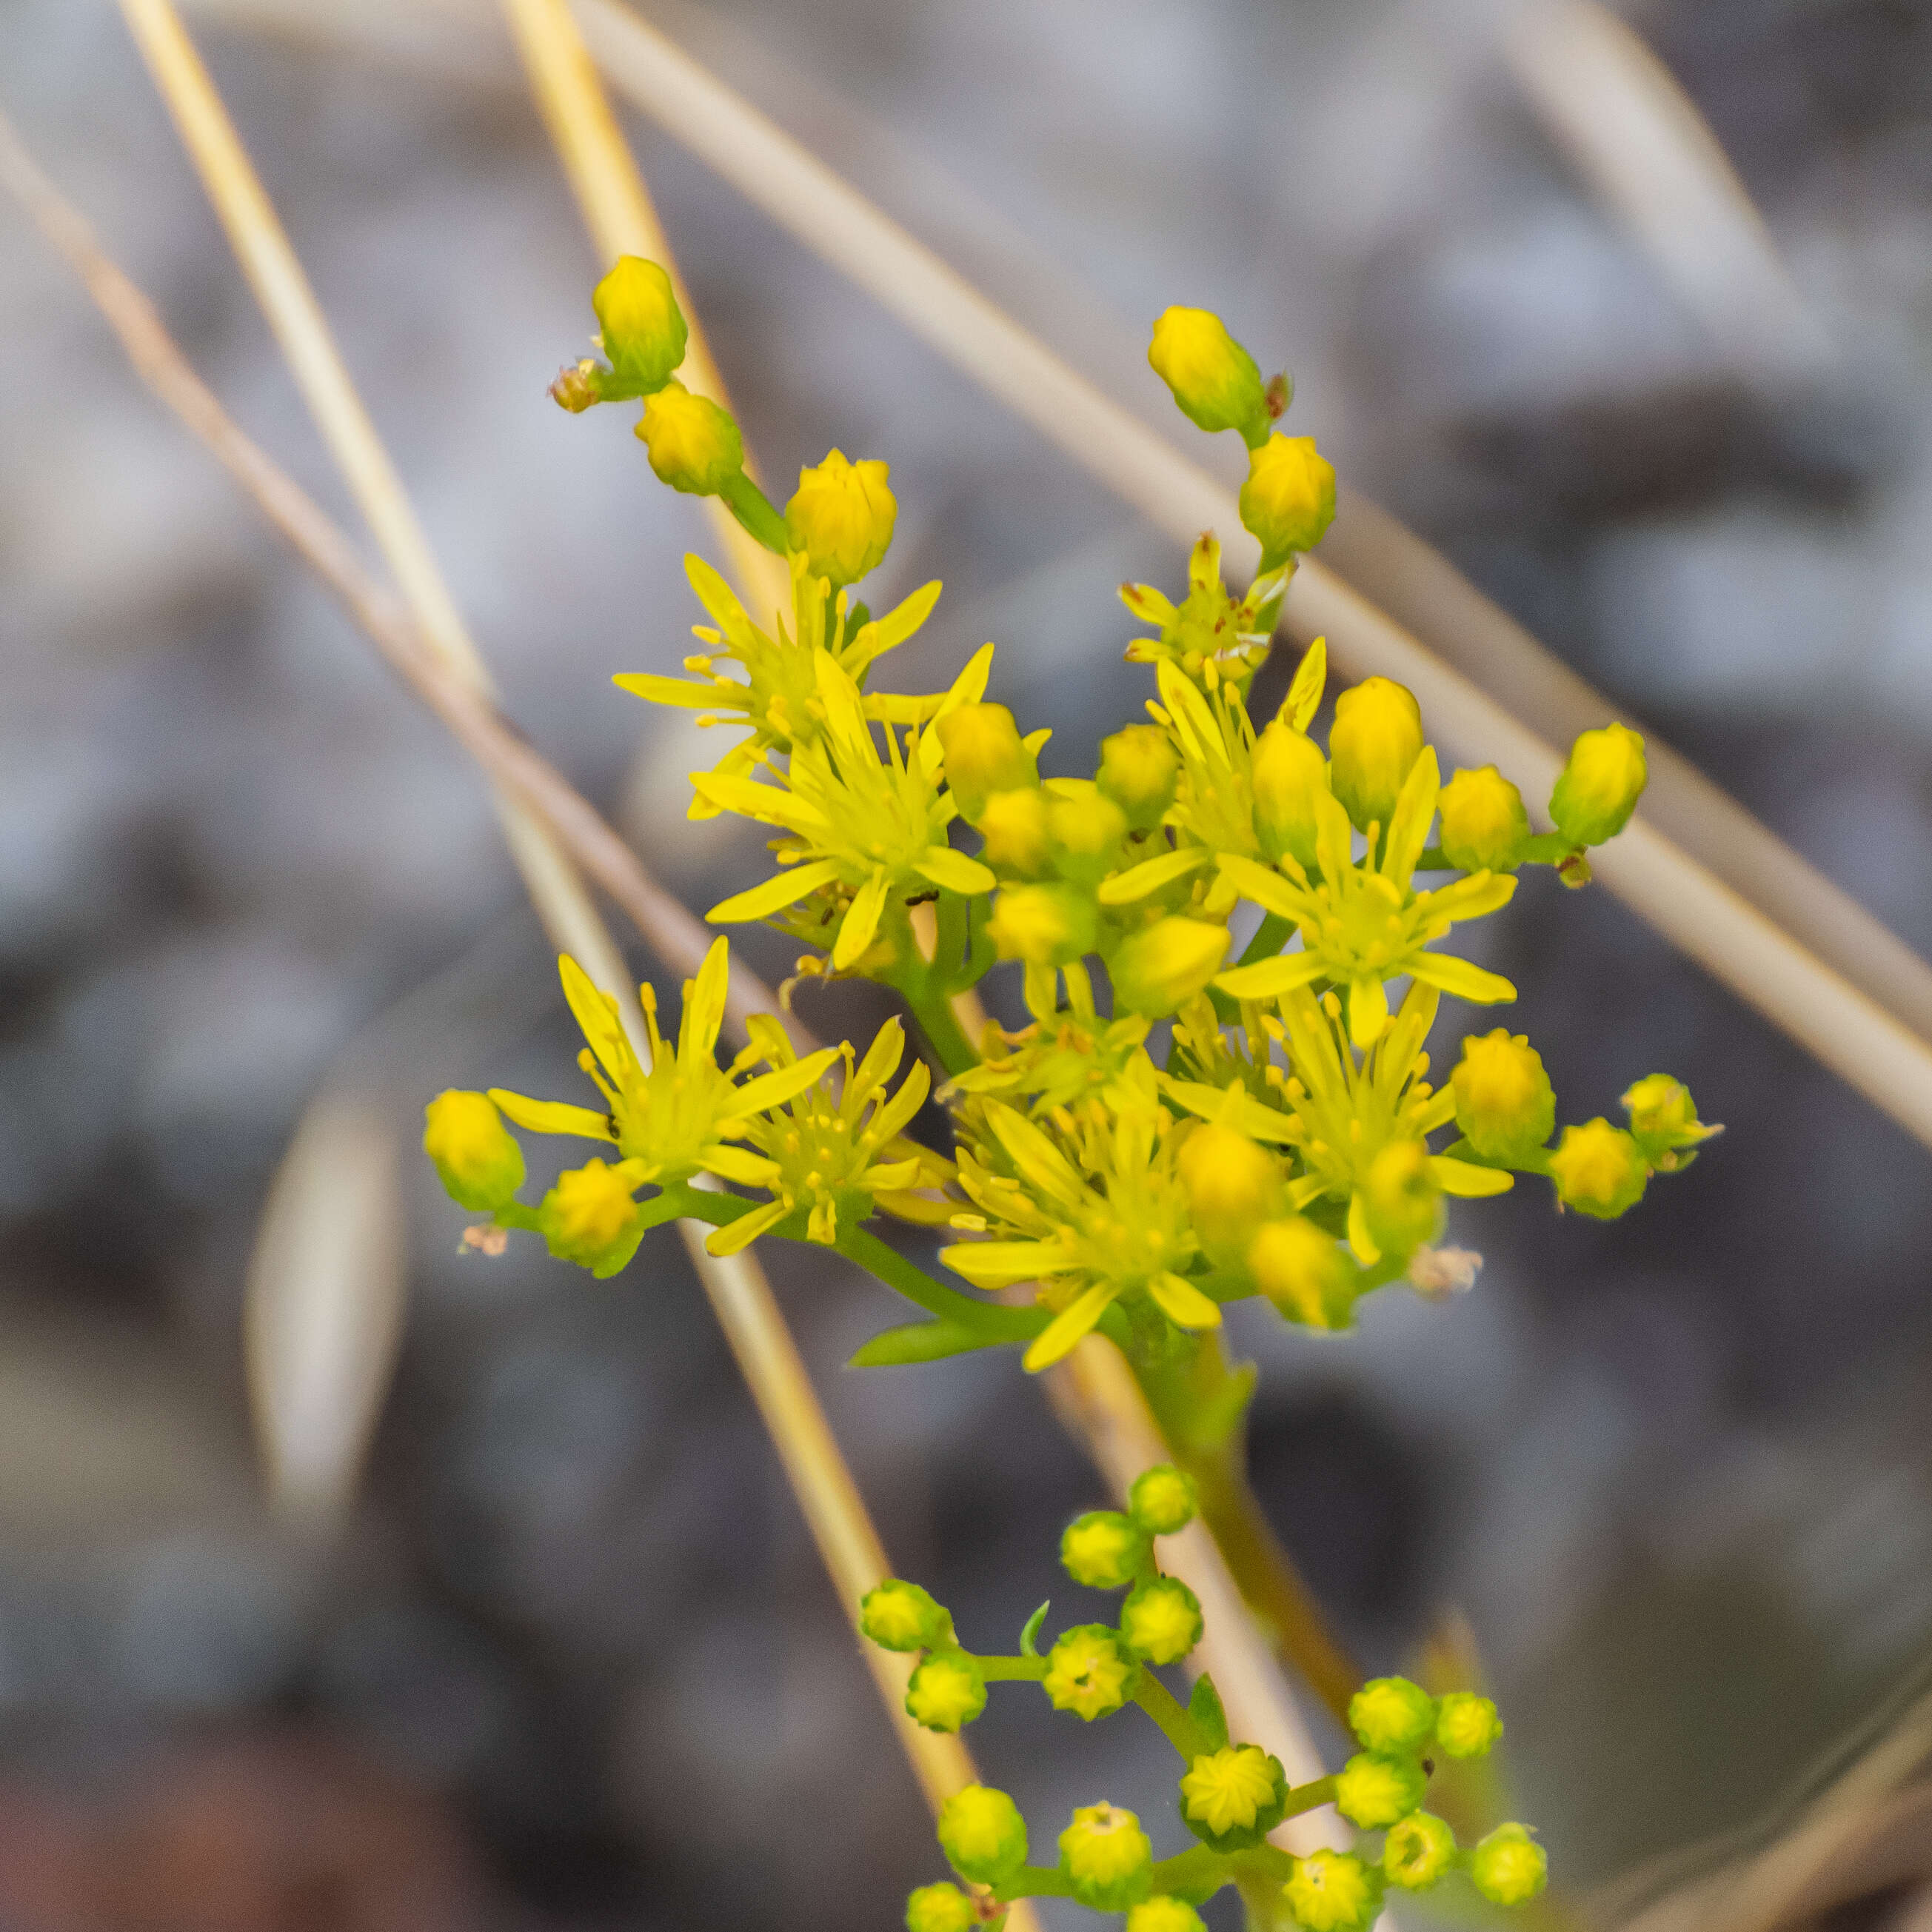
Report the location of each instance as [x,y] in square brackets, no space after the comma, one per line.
[1484,824]
[1466,1725]
[1663,1119]
[1139,771]
[1331,1891]
[1161,967]
[1087,832]
[1160,1621]
[1162,1499]
[1288,499]
[1107,1857]
[983,1834]
[1509,1867]
[1213,379]
[983,755]
[1372,1789]
[1164,1915]
[1390,1713]
[1103,1549]
[1233,1186]
[899,1615]
[643,329]
[1504,1104]
[1013,824]
[578,387]
[1090,1672]
[1401,1199]
[1600,786]
[588,1214]
[693,445]
[1304,1271]
[1044,926]
[842,517]
[1376,739]
[1418,1852]
[946,1691]
[1289,774]
[1232,1797]
[940,1908]
[1599,1170]
[477,1157]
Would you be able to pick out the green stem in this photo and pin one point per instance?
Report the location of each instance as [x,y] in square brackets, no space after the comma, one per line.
[989,1317]
[1034,1881]
[943,1033]
[1011,1669]
[1171,1714]
[1309,1797]
[753,508]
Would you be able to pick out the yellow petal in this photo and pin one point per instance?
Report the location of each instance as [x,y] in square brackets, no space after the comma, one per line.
[775,894]
[1466,1178]
[861,923]
[553,1117]
[1067,1328]
[1183,1303]
[741,1233]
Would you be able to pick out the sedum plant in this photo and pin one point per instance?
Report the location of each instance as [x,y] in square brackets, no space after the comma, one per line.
[1229,945]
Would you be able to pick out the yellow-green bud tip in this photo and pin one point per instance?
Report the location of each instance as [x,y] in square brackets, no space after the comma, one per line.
[1599,1170]
[1103,1549]
[983,1834]
[1090,1672]
[842,517]
[941,1908]
[1485,825]
[945,1692]
[1161,1620]
[1013,824]
[899,1615]
[1214,379]
[1139,769]
[1233,1186]
[1390,1713]
[1084,833]
[693,445]
[1504,1104]
[1600,786]
[1289,500]
[1044,926]
[1289,774]
[1161,967]
[1107,1857]
[588,1214]
[1331,1891]
[1467,1725]
[1372,1789]
[1418,1852]
[1303,1270]
[1376,739]
[1509,1867]
[643,329]
[1163,1500]
[1663,1119]
[983,755]
[476,1157]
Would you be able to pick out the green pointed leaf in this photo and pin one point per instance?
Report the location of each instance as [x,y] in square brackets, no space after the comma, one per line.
[1032,1631]
[1204,1708]
[923,1342]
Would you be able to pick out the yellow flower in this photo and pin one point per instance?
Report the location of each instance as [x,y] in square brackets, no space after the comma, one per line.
[693,445]
[1161,1621]
[983,753]
[1289,500]
[1138,769]
[1374,745]
[1107,1857]
[1509,1868]
[1371,1790]
[1484,826]
[1090,1672]
[1104,1549]
[480,1164]
[1232,1789]
[983,1834]
[945,1691]
[1504,1104]
[1302,1269]
[1211,638]
[1599,1170]
[1418,1851]
[842,517]
[1330,1891]
[590,1215]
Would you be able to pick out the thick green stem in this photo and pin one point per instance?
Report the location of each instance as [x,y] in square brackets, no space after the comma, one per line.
[1171,1714]
[943,1033]
[753,508]
[989,1318]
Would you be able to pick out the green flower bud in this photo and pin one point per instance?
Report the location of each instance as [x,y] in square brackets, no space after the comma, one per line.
[983,755]
[1160,1621]
[842,517]
[1302,1269]
[1164,965]
[1372,1789]
[693,445]
[1509,1867]
[1044,926]
[1332,1891]
[1466,1725]
[1401,1199]
[1288,499]
[1233,1186]
[983,1834]
[946,1691]
[476,1157]
[1233,1798]
[1103,1549]
[899,1615]
[1289,774]
[1139,769]
[1484,825]
[1013,824]
[941,1908]
[1163,1500]
[1599,1170]
[1164,1915]
[1418,1852]
[588,1214]
[1107,1857]
[1376,739]
[1504,1104]
[1600,786]
[1213,379]
[643,329]
[1390,1713]
[1090,1672]
[1086,831]
[1663,1120]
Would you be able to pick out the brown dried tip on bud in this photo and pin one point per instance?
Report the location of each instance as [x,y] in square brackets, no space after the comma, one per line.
[1575,871]
[576,388]
[1279,394]
[1439,1273]
[487,1239]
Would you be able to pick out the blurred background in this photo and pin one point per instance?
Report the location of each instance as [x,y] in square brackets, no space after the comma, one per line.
[555,1652]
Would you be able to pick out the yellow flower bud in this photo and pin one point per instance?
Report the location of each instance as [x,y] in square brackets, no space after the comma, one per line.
[1504,1104]
[1044,926]
[643,329]
[1086,831]
[1466,1725]
[588,1214]
[1233,1186]
[1600,786]
[842,517]
[1165,1915]
[1289,774]
[1390,1713]
[1401,1199]
[1090,1672]
[1376,739]
[1232,1797]
[1509,1867]
[1288,499]
[1107,1857]
[1013,824]
[983,755]
[1418,1852]
[1663,1118]
[1484,826]
[1302,1269]
[1371,1790]
[693,445]
[941,1908]
[1104,1549]
[945,1691]
[1330,1891]
[1599,1170]
[1162,968]
[1214,379]
[477,1157]
[1139,771]
[1161,1621]
[899,1615]
[983,1834]
[1162,1499]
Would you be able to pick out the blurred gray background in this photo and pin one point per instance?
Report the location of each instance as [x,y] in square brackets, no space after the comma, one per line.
[567,1659]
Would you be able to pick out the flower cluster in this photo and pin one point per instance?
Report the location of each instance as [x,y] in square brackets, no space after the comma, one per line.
[1230,1795]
